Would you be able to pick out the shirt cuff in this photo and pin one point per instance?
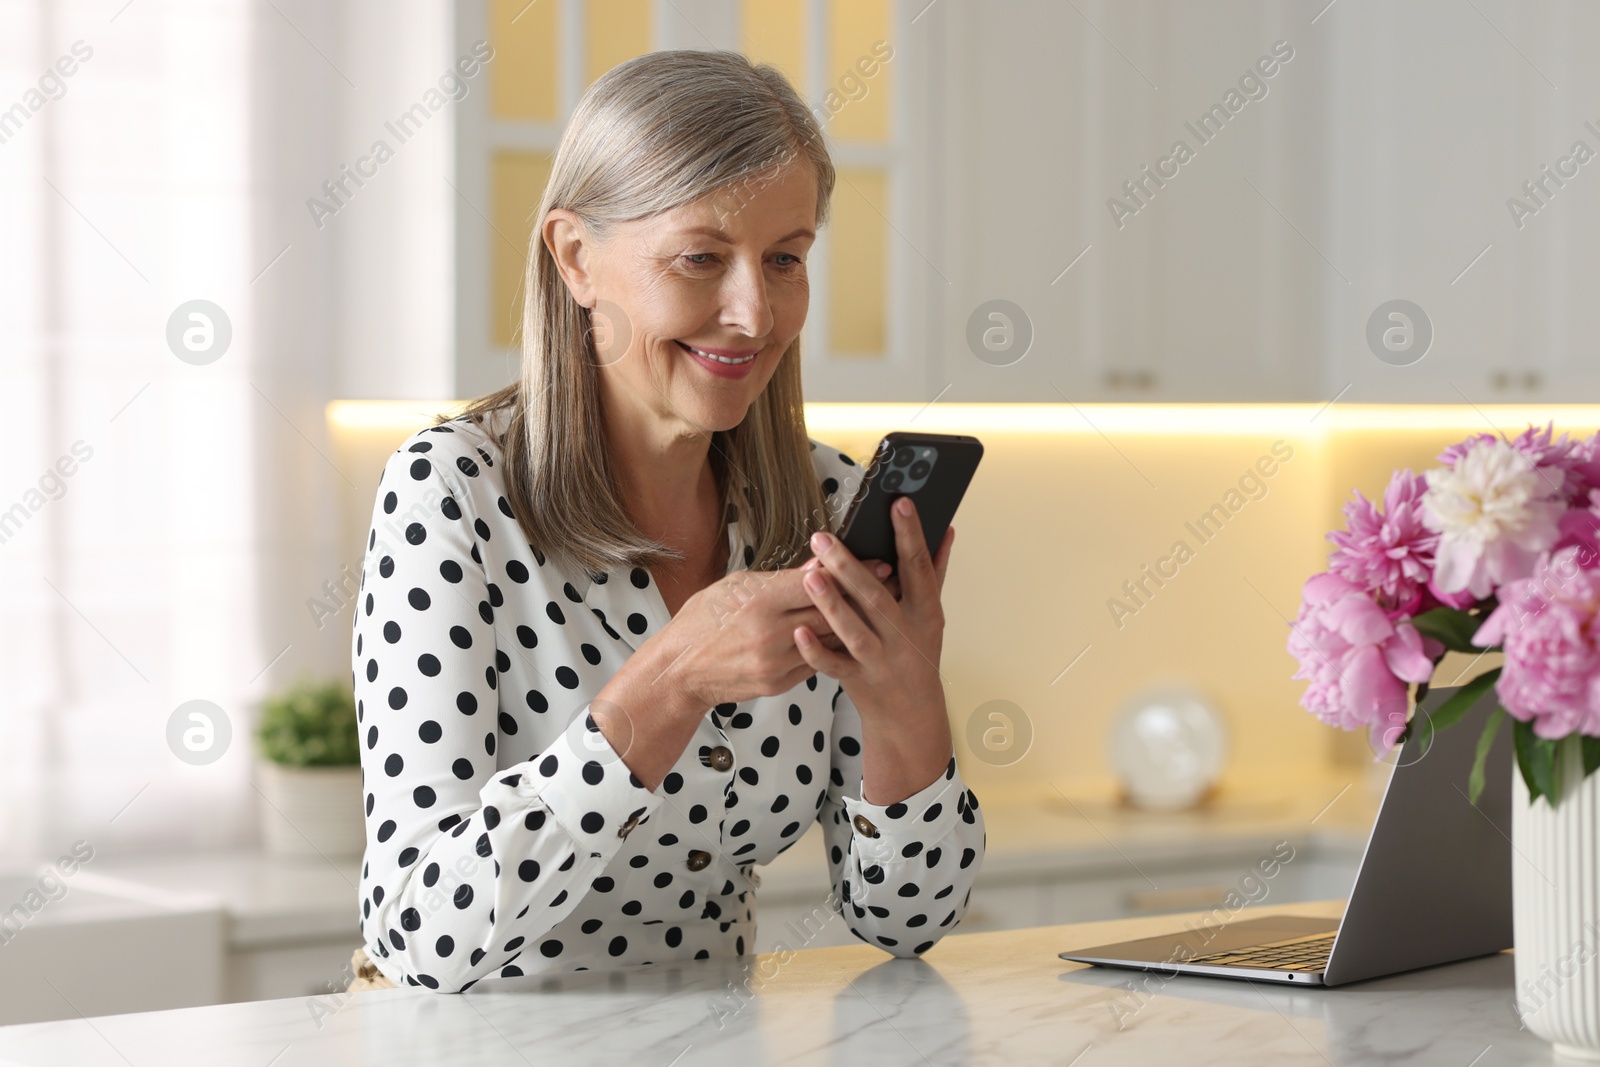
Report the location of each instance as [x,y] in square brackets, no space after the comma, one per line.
[589,790]
[881,831]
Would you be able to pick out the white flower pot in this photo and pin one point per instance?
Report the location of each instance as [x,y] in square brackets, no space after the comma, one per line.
[311,811]
[1555,887]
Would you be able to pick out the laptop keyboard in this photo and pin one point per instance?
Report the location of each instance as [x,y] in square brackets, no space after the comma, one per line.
[1296,954]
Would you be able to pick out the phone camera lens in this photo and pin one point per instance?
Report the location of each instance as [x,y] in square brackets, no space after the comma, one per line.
[919,470]
[904,456]
[892,480]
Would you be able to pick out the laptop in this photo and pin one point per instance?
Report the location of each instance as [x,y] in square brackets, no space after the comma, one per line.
[1434,885]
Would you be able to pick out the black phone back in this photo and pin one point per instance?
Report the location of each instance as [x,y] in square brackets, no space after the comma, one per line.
[933,469]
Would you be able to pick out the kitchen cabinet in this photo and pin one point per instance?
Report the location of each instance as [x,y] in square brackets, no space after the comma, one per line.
[1377,163]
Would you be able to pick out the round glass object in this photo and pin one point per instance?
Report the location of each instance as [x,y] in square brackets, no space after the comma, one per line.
[1168,747]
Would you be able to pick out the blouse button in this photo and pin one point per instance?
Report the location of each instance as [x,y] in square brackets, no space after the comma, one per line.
[864,826]
[721,758]
[698,860]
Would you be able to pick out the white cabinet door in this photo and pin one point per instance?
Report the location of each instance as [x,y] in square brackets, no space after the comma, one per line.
[1433,135]
[1209,291]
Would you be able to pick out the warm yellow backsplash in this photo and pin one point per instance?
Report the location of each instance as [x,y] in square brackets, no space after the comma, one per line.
[1073,501]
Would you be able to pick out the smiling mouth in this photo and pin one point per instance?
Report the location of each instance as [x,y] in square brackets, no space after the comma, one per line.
[732,361]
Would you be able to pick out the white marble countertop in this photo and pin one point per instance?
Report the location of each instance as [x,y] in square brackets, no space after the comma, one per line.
[980,998]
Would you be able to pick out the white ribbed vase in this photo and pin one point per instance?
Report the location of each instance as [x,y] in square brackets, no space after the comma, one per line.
[311,811]
[1555,885]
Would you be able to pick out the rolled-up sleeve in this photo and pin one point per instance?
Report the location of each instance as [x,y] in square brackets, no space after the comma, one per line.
[902,872]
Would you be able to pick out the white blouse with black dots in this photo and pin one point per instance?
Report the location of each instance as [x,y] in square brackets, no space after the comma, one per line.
[505,836]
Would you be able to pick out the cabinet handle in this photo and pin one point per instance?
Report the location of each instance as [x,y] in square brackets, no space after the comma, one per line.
[1134,379]
[1502,380]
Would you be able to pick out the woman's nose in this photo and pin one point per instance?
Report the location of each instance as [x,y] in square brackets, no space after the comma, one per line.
[745,302]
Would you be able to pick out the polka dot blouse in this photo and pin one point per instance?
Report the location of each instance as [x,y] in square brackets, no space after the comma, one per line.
[504,834]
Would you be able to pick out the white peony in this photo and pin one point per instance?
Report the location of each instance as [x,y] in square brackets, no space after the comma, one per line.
[1494,512]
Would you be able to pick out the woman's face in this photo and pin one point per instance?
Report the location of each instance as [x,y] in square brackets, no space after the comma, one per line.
[695,306]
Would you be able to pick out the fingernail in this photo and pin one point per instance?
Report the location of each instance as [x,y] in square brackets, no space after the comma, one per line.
[883,570]
[814,582]
[903,505]
[810,565]
[821,542]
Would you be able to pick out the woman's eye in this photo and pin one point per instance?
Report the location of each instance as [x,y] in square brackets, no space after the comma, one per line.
[699,259]
[792,260]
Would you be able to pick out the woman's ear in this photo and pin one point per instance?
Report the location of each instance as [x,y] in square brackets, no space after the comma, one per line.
[568,241]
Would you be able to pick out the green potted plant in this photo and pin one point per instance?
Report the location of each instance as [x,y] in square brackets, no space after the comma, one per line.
[309,770]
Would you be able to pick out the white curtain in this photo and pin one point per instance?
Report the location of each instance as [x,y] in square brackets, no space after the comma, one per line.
[162,521]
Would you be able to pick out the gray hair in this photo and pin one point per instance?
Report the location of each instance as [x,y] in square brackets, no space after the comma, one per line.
[652,134]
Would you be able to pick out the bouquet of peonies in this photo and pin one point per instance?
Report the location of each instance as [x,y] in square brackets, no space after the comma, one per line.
[1497,549]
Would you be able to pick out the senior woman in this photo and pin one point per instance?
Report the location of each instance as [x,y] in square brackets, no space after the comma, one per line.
[608,656]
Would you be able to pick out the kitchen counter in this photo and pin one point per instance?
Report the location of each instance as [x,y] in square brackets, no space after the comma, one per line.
[268,899]
[288,925]
[989,998]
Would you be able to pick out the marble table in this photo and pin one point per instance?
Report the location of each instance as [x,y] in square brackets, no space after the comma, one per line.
[980,998]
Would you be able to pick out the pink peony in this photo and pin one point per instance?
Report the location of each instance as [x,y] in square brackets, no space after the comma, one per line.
[1461,599]
[1357,659]
[1566,465]
[1495,512]
[1549,627]
[1552,457]
[1451,455]
[1580,528]
[1583,470]
[1389,552]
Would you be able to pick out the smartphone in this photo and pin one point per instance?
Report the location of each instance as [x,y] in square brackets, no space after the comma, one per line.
[933,469]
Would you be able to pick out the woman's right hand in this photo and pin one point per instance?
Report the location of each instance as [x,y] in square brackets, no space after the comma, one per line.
[731,641]
[736,636]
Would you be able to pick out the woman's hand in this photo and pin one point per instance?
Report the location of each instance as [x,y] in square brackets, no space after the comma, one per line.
[736,636]
[731,641]
[889,665]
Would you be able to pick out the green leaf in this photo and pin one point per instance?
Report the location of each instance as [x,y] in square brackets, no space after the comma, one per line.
[1463,700]
[1591,755]
[1536,756]
[311,724]
[1451,627]
[1481,756]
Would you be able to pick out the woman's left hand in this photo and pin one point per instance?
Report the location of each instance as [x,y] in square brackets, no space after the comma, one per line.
[889,665]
